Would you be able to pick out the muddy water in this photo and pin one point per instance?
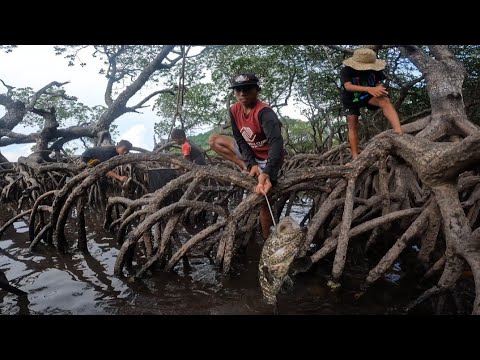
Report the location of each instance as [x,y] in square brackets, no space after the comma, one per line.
[78,283]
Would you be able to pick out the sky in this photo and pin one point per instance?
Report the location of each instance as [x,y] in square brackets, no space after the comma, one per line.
[37,65]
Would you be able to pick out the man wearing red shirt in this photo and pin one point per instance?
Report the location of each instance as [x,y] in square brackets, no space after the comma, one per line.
[257,144]
[190,150]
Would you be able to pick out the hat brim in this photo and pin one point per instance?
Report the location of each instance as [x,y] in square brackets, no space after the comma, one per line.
[248,83]
[377,65]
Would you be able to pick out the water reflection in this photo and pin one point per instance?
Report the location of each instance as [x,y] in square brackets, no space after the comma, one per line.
[83,283]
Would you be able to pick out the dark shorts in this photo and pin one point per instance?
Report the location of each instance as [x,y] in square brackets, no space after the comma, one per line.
[354,108]
[261,163]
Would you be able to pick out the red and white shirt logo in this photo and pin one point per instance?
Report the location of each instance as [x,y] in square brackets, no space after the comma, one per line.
[248,134]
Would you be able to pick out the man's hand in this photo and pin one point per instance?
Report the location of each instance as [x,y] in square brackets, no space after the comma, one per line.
[377,91]
[254,171]
[264,184]
[114,175]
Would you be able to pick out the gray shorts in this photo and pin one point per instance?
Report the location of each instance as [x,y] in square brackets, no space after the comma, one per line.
[237,150]
[261,163]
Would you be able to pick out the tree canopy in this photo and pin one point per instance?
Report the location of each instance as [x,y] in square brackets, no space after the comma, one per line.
[303,76]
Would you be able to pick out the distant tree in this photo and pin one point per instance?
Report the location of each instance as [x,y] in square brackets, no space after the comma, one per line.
[60,118]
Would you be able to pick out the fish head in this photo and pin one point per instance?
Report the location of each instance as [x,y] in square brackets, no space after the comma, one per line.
[287,226]
[288,230]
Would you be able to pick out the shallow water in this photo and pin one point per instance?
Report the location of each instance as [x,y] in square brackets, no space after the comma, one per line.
[78,283]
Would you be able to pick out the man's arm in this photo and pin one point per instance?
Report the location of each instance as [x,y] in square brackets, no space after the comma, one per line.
[378,90]
[245,149]
[346,80]
[114,175]
[271,127]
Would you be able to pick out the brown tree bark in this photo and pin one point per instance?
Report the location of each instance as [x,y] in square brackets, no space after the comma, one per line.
[424,181]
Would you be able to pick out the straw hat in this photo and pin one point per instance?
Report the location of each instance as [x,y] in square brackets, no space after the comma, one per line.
[365,59]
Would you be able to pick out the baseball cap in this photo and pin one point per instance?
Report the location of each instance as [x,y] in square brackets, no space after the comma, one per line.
[243,79]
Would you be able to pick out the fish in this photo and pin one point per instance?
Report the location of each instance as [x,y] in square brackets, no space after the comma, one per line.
[278,252]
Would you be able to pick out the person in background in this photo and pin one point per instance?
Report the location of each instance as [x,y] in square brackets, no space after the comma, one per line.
[361,81]
[190,150]
[95,155]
